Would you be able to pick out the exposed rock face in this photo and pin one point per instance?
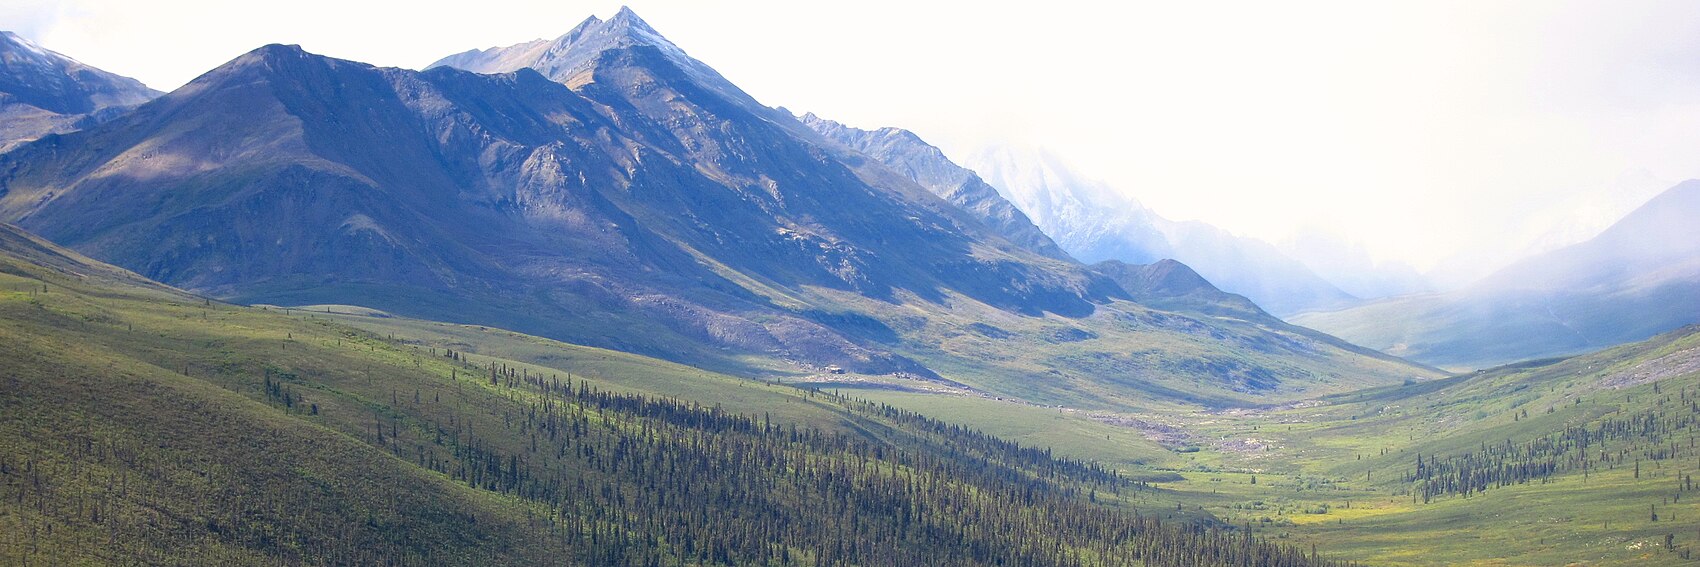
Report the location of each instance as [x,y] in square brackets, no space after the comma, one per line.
[43,92]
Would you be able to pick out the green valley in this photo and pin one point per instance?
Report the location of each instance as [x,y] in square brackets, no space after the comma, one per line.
[1332,286]
[1586,460]
[142,424]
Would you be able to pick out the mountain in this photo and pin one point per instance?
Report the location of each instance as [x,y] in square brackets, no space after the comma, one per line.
[338,174]
[1638,278]
[43,92]
[1094,222]
[1555,222]
[906,153]
[1172,286]
[639,202]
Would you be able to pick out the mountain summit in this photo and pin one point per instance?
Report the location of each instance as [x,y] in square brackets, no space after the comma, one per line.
[570,55]
[44,92]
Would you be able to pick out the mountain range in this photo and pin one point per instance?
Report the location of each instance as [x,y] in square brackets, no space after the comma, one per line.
[605,188]
[1638,278]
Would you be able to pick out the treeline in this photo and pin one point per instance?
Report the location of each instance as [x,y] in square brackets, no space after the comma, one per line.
[1665,432]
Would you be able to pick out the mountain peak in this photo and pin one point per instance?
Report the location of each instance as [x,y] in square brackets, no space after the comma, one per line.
[10,41]
[572,52]
[626,18]
[625,29]
[262,59]
[274,51]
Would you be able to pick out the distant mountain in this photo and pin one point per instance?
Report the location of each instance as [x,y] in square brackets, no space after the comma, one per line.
[632,199]
[1638,278]
[1165,284]
[1172,286]
[1094,222]
[905,152]
[1553,223]
[43,92]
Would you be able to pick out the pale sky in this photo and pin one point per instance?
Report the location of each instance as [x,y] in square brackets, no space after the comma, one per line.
[1423,130]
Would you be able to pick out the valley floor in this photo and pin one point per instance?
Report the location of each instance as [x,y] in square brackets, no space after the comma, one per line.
[1335,472]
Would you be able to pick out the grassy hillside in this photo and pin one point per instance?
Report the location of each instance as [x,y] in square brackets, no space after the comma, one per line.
[127,434]
[143,425]
[1543,463]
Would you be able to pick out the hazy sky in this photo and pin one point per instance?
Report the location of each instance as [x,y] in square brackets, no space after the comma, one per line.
[1421,129]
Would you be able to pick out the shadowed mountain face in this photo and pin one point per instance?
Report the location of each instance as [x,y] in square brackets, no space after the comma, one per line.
[43,92]
[1639,278]
[1094,222]
[631,199]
